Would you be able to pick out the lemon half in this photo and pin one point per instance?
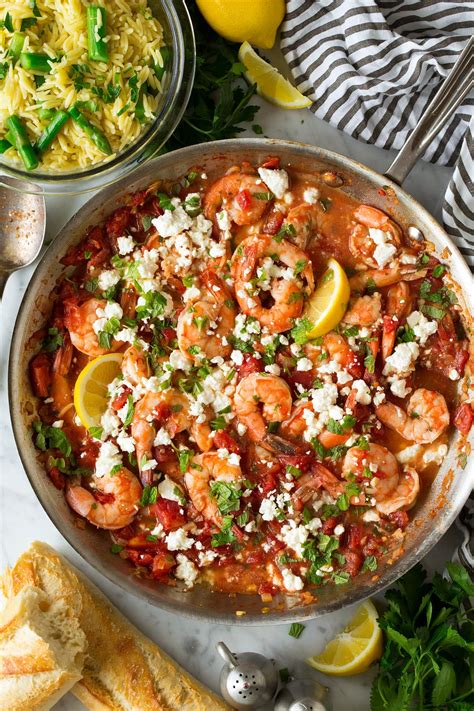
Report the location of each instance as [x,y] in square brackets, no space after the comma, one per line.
[90,390]
[270,83]
[328,303]
[354,649]
[256,21]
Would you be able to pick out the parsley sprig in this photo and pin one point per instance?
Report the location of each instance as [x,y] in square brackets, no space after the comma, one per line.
[428,660]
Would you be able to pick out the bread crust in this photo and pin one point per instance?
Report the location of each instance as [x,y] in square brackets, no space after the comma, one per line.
[41,651]
[123,669]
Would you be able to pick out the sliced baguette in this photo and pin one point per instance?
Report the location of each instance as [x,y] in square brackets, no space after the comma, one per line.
[41,651]
[124,670]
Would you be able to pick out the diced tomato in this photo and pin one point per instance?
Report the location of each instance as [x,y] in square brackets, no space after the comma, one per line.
[461,358]
[93,249]
[57,478]
[272,163]
[399,519]
[250,364]
[162,564]
[40,374]
[168,513]
[139,558]
[355,366]
[124,534]
[305,378]
[168,334]
[128,302]
[244,199]
[353,562]
[269,482]
[371,546]
[301,461]
[330,524]
[355,536]
[137,198]
[267,589]
[117,223]
[463,418]
[164,453]
[256,557]
[223,440]
[273,222]
[88,453]
[121,399]
[389,324]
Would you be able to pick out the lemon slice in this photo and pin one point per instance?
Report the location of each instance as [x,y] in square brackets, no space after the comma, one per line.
[254,20]
[90,390]
[270,83]
[328,303]
[354,649]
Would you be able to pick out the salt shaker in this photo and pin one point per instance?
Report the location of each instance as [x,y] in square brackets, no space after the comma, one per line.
[248,680]
[302,695]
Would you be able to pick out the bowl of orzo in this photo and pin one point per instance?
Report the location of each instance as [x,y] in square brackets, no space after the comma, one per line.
[89,90]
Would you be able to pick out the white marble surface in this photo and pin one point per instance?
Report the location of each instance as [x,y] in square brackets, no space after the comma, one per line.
[192,643]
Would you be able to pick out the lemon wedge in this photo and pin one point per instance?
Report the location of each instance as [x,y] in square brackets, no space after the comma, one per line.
[328,303]
[354,649]
[90,390]
[254,20]
[270,83]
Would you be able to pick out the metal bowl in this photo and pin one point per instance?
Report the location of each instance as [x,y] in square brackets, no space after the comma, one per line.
[433,514]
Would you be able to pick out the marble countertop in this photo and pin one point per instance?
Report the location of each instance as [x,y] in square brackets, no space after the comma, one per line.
[190,642]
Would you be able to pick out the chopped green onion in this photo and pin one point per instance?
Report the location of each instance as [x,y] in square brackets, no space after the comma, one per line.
[96,31]
[46,114]
[36,62]
[21,142]
[94,133]
[4,145]
[296,630]
[52,130]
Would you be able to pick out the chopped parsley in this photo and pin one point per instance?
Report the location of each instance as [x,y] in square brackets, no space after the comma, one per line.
[227,496]
[296,630]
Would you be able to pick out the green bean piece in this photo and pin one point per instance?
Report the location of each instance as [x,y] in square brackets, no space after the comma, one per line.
[96,32]
[16,45]
[21,142]
[46,114]
[36,62]
[94,133]
[51,130]
[4,145]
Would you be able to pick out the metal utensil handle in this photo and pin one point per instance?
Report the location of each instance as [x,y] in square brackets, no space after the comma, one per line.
[454,89]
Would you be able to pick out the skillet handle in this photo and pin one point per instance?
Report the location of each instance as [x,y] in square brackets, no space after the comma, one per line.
[454,89]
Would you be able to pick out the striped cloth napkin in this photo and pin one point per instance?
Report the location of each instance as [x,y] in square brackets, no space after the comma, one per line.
[372,66]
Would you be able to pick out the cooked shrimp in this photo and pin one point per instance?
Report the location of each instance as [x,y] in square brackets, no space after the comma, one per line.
[205,324]
[364,310]
[425,419]
[252,263]
[236,193]
[168,410]
[302,223]
[369,223]
[202,470]
[319,477]
[375,463]
[79,320]
[385,277]
[268,391]
[398,304]
[403,496]
[126,491]
[135,365]
[296,424]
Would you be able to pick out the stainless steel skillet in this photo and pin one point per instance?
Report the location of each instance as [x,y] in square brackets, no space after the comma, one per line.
[433,515]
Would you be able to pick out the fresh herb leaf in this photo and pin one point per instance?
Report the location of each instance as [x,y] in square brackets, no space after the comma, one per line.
[227,496]
[296,630]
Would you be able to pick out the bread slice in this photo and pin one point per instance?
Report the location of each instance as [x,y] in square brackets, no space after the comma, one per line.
[41,651]
[124,670]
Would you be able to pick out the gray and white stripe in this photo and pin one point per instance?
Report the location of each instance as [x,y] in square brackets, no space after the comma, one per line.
[371,68]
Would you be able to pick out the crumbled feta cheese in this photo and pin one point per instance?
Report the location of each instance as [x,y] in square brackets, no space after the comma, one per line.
[291,582]
[339,529]
[311,195]
[186,570]
[422,327]
[109,457]
[148,465]
[399,387]
[409,455]
[362,392]
[161,438]
[453,374]
[276,180]
[435,454]
[323,398]
[157,531]
[178,540]
[167,489]
[172,222]
[237,357]
[126,443]
[126,335]
[273,369]
[178,361]
[370,516]
[108,279]
[402,359]
[314,525]
[207,557]
[269,509]
[58,424]
[192,293]
[241,429]
[379,397]
[125,245]
[294,537]
[385,250]
[304,364]
[110,423]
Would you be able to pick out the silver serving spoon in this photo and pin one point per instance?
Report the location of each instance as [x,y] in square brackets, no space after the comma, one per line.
[22,227]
